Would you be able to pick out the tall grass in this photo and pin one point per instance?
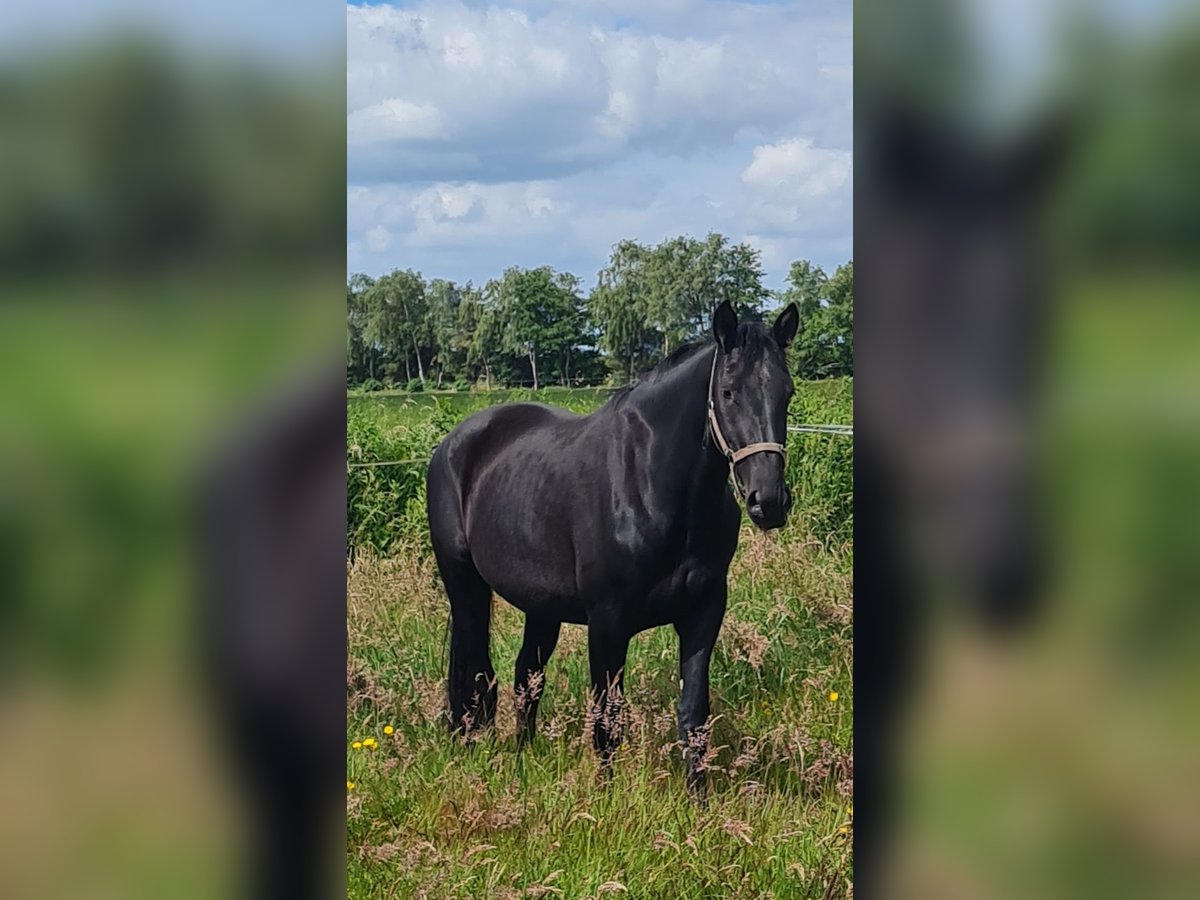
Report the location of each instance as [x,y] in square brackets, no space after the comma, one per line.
[428,817]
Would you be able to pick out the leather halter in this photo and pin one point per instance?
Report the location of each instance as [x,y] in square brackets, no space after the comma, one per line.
[733,456]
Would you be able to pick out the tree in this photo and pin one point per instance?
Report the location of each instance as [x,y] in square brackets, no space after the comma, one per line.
[540,315]
[397,318]
[571,328]
[619,310]
[444,299]
[839,320]
[650,299]
[478,331]
[824,347]
[360,354]
[536,324]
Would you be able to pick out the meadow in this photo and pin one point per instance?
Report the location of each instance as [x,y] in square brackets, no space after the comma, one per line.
[430,818]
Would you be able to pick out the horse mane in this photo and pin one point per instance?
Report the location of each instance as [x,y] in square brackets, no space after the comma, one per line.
[750,335]
[671,361]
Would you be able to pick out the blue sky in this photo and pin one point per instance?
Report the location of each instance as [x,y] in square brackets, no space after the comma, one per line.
[543,131]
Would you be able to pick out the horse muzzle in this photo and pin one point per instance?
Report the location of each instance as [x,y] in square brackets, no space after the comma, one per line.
[769,510]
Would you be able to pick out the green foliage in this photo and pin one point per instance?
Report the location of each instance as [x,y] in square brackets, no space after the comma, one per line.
[415,386]
[386,504]
[1126,187]
[542,317]
[824,345]
[821,466]
[650,299]
[448,351]
[536,326]
[120,151]
[396,320]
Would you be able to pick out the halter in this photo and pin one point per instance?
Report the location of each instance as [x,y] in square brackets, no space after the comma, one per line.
[733,456]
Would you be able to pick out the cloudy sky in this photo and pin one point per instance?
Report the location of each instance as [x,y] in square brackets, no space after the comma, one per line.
[543,131]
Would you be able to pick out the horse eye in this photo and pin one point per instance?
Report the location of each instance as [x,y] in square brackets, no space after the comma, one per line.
[727,394]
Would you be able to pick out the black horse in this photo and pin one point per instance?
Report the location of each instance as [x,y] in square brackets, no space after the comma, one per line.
[621,520]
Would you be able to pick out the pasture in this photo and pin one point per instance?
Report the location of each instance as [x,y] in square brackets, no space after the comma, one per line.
[430,818]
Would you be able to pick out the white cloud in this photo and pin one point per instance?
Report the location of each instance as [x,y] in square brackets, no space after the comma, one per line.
[474,229]
[394,120]
[467,92]
[482,137]
[794,171]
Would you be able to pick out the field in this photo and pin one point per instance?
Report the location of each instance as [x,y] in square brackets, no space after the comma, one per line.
[429,818]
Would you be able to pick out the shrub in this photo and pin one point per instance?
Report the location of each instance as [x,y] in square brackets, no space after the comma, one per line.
[386,504]
[415,386]
[371,384]
[821,466]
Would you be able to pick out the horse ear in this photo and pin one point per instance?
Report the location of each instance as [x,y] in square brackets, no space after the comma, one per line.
[725,326]
[786,323]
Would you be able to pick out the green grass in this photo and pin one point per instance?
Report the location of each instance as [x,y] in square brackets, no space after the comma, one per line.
[429,817]
[386,505]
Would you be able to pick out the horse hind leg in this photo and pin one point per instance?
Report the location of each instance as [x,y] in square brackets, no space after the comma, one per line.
[471,681]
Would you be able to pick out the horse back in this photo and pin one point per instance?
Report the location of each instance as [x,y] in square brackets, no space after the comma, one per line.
[480,439]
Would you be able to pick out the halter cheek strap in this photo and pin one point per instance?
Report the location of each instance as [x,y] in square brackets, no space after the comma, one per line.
[733,456]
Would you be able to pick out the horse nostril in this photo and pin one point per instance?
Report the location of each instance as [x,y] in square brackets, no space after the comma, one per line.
[752,498]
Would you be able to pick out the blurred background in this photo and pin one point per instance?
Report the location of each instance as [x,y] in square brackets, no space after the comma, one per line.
[172,225]
[1026,226]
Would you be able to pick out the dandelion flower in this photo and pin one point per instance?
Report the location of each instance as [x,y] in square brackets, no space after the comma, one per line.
[357,745]
[349,785]
[388,729]
[833,696]
[370,743]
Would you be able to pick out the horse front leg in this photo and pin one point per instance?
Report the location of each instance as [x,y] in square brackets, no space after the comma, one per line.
[697,637]
[608,645]
[541,637]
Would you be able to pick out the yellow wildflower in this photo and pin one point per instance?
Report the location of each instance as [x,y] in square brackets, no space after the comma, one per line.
[833,696]
[388,729]
[349,785]
[357,745]
[370,743]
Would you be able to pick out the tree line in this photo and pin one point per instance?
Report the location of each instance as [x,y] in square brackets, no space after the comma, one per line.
[132,155]
[538,327]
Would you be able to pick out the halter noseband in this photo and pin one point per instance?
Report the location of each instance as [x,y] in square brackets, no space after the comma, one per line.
[733,456]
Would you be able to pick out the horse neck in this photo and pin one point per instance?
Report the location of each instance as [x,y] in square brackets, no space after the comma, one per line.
[674,406]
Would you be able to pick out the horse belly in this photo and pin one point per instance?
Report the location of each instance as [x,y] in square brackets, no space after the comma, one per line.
[532,569]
